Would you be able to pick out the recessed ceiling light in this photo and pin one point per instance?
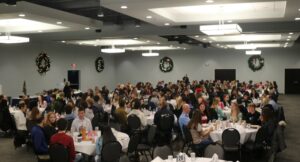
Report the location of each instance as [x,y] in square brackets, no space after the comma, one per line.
[291,33]
[184,48]
[297,18]
[147,41]
[87,28]
[197,36]
[289,36]
[209,1]
[210,41]
[149,17]
[204,39]
[124,7]
[63,41]
[167,24]
[157,43]
[59,22]
[22,15]
[229,21]
[135,38]
[287,39]
[40,31]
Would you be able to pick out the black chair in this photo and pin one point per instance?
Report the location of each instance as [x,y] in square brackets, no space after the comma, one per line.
[162,151]
[95,121]
[133,144]
[124,158]
[210,150]
[188,140]
[165,126]
[143,148]
[111,152]
[258,144]
[134,123]
[70,121]
[231,141]
[58,153]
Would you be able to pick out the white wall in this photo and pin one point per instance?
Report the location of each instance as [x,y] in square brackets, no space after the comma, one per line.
[17,63]
[200,64]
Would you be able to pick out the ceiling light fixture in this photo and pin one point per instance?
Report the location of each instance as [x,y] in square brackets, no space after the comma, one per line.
[297,18]
[22,15]
[100,11]
[221,29]
[8,39]
[149,17]
[150,54]
[291,33]
[167,24]
[253,52]
[209,1]
[245,47]
[87,28]
[113,50]
[58,22]
[124,7]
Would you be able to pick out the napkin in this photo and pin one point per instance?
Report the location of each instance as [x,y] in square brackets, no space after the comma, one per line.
[215,158]
[157,159]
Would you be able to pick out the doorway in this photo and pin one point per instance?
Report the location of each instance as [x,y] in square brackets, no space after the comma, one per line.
[225,74]
[292,81]
[73,78]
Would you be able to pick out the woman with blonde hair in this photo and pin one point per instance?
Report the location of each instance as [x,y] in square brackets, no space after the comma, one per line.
[235,114]
[50,126]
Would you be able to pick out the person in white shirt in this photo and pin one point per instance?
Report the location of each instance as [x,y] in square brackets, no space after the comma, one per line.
[81,122]
[135,109]
[20,117]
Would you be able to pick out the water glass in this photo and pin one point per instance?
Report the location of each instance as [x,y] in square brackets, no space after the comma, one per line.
[193,157]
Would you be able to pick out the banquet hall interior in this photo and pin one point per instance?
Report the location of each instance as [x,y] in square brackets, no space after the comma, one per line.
[149,80]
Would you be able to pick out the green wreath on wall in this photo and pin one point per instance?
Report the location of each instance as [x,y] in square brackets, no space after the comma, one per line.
[99,64]
[166,64]
[256,63]
[43,63]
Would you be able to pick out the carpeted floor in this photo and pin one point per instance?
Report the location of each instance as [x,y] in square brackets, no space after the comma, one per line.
[291,154]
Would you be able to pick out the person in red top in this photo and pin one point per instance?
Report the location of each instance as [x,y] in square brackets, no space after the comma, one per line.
[62,138]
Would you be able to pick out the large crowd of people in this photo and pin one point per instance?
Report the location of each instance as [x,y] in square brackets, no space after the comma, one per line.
[185,103]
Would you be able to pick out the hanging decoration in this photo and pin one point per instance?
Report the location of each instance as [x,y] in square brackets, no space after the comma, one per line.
[99,64]
[42,62]
[256,62]
[166,64]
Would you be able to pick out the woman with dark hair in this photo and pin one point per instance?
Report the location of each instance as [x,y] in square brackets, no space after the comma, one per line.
[200,135]
[268,123]
[42,103]
[204,114]
[106,137]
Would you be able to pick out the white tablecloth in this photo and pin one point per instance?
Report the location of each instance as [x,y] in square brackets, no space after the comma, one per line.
[198,159]
[246,134]
[89,148]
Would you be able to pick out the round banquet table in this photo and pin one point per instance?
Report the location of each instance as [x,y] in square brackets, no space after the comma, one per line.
[246,134]
[89,148]
[187,159]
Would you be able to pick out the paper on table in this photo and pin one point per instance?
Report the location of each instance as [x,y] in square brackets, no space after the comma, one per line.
[215,158]
[157,159]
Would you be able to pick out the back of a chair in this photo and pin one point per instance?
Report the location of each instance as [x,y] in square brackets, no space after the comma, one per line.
[187,134]
[134,122]
[151,134]
[95,121]
[111,152]
[58,153]
[162,151]
[166,122]
[134,142]
[230,137]
[260,136]
[210,150]
[70,121]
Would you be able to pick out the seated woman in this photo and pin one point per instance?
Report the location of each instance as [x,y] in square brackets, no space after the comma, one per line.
[89,111]
[235,114]
[49,126]
[268,124]
[200,135]
[106,137]
[226,100]
[42,104]
[135,109]
[215,112]
[204,113]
